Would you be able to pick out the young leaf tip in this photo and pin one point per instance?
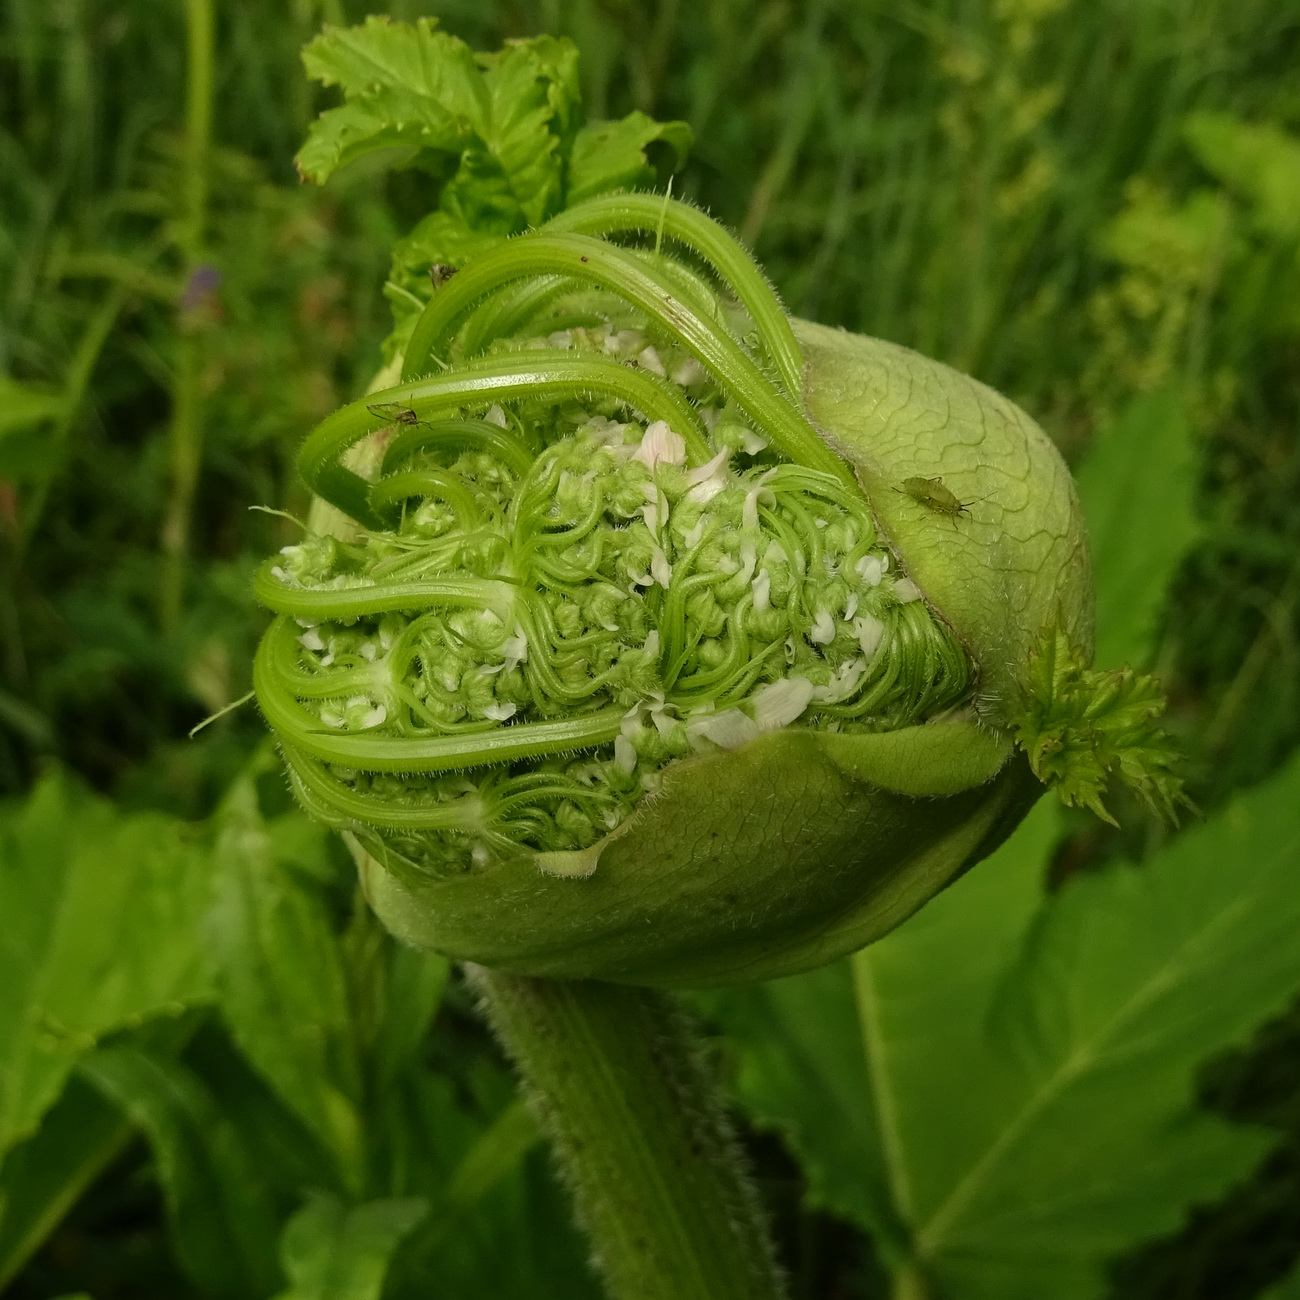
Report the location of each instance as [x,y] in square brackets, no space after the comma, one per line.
[1081,728]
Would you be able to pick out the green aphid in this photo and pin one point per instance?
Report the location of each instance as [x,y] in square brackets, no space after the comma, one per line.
[934,494]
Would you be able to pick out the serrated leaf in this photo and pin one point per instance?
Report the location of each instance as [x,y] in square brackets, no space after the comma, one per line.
[612,155]
[499,132]
[1024,1139]
[500,122]
[1130,980]
[331,1252]
[1137,487]
[534,98]
[405,86]
[102,915]
[916,999]
[280,976]
[1080,728]
[222,1222]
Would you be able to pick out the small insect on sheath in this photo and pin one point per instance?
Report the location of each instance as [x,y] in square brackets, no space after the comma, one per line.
[935,495]
[394,411]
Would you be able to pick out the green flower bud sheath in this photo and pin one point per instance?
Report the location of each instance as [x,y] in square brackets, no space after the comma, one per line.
[659,639]
[640,662]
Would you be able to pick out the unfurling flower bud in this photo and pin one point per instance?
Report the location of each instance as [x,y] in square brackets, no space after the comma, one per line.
[661,638]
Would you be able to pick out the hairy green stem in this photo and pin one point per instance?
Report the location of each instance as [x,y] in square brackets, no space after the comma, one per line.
[640,1136]
[552,375]
[653,291]
[185,437]
[734,266]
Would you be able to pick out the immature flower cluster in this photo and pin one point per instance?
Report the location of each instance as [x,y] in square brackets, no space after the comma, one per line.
[564,601]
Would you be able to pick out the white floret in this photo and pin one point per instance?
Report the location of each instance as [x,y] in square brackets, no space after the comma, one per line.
[660,446]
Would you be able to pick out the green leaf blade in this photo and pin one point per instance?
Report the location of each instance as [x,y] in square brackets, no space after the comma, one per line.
[612,155]
[102,916]
[221,1216]
[1130,980]
[534,98]
[331,1252]
[282,984]
[404,85]
[856,1063]
[1137,487]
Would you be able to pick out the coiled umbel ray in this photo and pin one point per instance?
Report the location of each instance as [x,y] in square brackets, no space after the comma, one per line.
[636,664]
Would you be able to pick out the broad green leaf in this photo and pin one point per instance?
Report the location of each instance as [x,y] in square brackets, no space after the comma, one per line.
[44,1177]
[280,975]
[1130,980]
[800,1072]
[1019,1141]
[612,155]
[221,1218]
[413,987]
[849,1060]
[498,132]
[26,406]
[102,916]
[922,995]
[331,1252]
[1137,488]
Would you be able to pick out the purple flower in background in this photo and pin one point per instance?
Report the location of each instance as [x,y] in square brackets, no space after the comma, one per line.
[200,289]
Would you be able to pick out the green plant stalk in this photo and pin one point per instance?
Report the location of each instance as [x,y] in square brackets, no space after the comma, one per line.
[185,436]
[76,383]
[908,1284]
[640,1135]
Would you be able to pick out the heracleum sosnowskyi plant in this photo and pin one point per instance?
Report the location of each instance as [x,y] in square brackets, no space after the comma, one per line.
[645,635]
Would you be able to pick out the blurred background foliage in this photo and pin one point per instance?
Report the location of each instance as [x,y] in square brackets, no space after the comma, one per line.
[1093,205]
